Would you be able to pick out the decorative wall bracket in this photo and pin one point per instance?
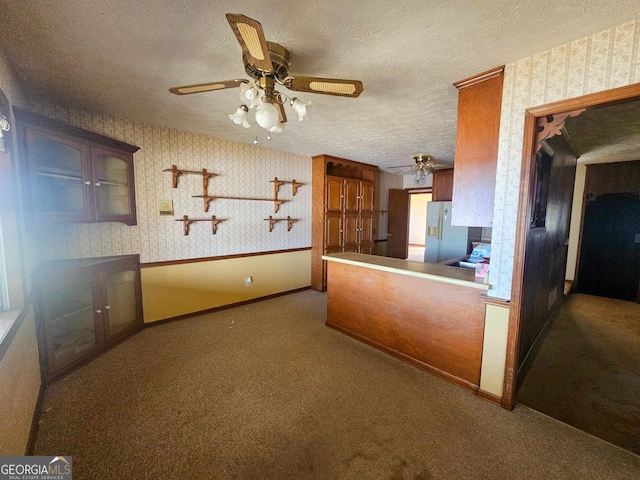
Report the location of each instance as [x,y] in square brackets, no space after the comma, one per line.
[277,183]
[552,125]
[188,221]
[175,172]
[272,221]
[209,198]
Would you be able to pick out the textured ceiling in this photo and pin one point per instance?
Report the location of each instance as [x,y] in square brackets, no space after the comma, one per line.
[119,57]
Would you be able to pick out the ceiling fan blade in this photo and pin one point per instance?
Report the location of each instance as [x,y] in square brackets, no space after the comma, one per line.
[251,38]
[326,86]
[399,166]
[404,172]
[206,87]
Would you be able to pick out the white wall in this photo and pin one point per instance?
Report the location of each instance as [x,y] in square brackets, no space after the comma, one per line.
[418,217]
[603,61]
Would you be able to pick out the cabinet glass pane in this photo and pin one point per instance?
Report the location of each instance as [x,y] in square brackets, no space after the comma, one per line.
[113,190]
[71,327]
[121,298]
[59,186]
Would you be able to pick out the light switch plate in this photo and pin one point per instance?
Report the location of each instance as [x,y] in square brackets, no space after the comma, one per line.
[165,207]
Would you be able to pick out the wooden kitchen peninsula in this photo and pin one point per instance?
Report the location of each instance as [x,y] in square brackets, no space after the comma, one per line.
[432,316]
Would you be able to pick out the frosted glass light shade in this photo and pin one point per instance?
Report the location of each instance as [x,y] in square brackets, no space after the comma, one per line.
[267,115]
[300,107]
[251,94]
[240,117]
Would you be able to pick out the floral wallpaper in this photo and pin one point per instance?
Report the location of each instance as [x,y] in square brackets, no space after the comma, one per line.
[244,171]
[602,61]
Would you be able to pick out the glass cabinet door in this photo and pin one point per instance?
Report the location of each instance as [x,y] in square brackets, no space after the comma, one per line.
[112,181]
[58,186]
[122,305]
[70,327]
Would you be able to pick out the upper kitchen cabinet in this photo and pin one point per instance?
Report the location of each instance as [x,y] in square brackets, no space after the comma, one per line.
[474,178]
[74,175]
[442,185]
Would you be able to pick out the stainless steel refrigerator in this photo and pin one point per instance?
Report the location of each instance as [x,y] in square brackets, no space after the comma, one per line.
[443,241]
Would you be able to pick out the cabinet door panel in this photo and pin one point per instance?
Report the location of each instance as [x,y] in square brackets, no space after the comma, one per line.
[366,197]
[366,228]
[70,323]
[334,193]
[351,195]
[350,235]
[58,171]
[366,248]
[121,303]
[332,231]
[443,186]
[113,182]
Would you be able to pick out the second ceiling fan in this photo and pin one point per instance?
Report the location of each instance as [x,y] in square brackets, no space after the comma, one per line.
[424,166]
[267,64]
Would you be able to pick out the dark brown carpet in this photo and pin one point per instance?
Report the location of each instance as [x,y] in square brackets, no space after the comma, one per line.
[587,372]
[266,391]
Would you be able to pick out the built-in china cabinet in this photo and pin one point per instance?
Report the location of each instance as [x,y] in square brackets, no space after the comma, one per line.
[342,211]
[74,175]
[84,307]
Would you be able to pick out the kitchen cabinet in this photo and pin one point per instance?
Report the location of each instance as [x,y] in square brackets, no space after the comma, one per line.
[474,178]
[443,185]
[74,175]
[83,307]
[342,218]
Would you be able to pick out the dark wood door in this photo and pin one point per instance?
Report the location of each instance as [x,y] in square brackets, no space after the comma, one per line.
[398,226]
[609,263]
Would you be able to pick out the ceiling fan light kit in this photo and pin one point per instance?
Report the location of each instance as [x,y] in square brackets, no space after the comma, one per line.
[268,63]
[424,166]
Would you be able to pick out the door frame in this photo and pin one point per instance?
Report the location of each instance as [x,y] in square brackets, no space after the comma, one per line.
[621,94]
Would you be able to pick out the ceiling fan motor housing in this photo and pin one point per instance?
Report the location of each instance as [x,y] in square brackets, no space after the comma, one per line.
[280,59]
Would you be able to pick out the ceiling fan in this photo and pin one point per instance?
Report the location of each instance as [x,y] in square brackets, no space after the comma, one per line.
[423,167]
[267,64]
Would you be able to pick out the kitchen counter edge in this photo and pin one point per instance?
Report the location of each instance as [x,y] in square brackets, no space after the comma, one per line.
[441,273]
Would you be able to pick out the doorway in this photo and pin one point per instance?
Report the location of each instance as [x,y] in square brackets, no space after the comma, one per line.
[534,128]
[407,223]
[417,225]
[587,345]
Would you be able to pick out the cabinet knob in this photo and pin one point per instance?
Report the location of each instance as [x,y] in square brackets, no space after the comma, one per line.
[87,182]
[107,307]
[97,184]
[98,311]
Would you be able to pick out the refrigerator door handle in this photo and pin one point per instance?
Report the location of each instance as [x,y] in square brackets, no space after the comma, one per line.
[440,225]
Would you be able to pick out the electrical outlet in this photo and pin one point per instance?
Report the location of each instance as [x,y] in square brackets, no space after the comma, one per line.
[248,281]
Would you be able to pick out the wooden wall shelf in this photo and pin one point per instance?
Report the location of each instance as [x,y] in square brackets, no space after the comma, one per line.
[209,198]
[175,172]
[277,183]
[272,221]
[188,221]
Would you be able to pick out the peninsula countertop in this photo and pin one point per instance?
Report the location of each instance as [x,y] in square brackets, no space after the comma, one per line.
[441,273]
